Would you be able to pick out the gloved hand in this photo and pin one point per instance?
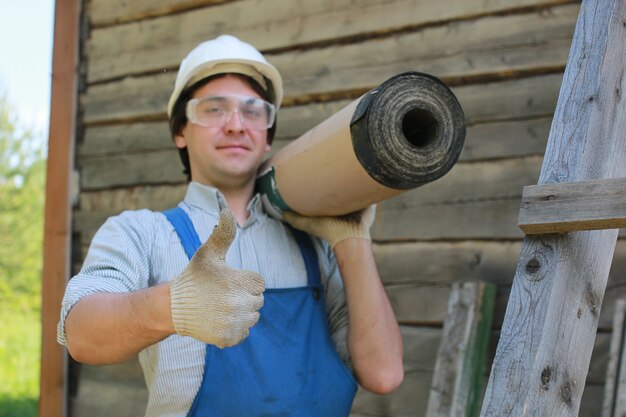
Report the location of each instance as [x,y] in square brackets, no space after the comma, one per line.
[212,302]
[335,229]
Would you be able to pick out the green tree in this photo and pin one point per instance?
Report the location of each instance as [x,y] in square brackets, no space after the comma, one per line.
[22,185]
[22,182]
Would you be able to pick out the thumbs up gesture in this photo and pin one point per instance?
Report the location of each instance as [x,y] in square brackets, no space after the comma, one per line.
[212,302]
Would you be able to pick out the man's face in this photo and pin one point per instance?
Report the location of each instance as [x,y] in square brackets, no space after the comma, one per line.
[225,157]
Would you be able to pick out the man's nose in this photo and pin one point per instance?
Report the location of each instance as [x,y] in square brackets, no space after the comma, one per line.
[234,123]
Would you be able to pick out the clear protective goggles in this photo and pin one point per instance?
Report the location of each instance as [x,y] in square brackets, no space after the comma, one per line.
[216,111]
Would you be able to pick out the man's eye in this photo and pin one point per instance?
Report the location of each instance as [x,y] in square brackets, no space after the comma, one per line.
[212,110]
[252,113]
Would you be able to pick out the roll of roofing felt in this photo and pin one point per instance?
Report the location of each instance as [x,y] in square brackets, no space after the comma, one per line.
[407,132]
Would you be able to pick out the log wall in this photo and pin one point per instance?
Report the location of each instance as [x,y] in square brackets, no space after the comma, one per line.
[504,59]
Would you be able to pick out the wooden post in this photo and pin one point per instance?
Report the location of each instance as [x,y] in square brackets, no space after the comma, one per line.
[549,329]
[458,379]
[613,402]
[56,251]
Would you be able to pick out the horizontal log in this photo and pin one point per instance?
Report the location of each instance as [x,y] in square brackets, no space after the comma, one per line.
[574,206]
[419,303]
[474,200]
[160,44]
[408,400]
[158,167]
[103,398]
[110,12]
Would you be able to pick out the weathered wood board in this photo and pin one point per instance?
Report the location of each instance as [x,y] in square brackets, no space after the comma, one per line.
[457,384]
[568,207]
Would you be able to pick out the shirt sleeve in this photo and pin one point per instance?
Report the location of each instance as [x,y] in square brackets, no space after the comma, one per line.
[118,261]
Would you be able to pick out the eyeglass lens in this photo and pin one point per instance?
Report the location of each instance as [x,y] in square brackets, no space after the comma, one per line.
[217,111]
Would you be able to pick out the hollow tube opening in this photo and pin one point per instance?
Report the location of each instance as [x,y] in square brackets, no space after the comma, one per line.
[420,128]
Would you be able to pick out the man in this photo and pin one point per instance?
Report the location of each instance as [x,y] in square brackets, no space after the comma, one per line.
[263,320]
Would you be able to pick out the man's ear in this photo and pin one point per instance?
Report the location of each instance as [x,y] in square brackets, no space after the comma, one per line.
[179,140]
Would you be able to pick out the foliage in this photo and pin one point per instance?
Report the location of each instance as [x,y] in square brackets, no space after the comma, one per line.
[19,362]
[22,184]
[22,181]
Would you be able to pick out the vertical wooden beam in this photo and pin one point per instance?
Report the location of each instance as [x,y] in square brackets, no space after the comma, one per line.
[458,379]
[57,232]
[613,401]
[548,334]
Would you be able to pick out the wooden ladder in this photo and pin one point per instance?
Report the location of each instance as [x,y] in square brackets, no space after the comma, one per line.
[570,220]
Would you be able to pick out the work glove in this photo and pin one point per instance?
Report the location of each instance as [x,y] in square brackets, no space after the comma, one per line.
[212,302]
[335,229]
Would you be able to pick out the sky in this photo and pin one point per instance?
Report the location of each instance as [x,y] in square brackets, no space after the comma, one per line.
[26,35]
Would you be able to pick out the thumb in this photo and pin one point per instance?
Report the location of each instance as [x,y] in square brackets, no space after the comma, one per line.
[223,235]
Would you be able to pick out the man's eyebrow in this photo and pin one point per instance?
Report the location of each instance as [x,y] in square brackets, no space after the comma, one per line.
[216,98]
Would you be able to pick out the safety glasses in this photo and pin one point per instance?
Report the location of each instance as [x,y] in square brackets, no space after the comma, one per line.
[216,111]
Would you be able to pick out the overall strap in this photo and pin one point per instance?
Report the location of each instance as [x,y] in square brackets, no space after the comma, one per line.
[184,229]
[308,254]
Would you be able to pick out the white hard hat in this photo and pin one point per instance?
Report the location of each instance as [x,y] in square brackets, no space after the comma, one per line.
[226,54]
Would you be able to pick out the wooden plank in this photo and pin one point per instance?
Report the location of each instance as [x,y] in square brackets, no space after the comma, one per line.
[110,12]
[160,167]
[56,245]
[467,182]
[160,44]
[545,348]
[473,200]
[453,53]
[431,262]
[613,396]
[154,197]
[591,398]
[506,139]
[107,390]
[569,207]
[408,400]
[457,383]
[419,303]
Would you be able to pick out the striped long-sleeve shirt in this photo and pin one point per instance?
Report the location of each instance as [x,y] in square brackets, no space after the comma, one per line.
[139,249]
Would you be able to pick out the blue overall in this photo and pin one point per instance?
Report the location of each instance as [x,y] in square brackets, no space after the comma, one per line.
[288,365]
